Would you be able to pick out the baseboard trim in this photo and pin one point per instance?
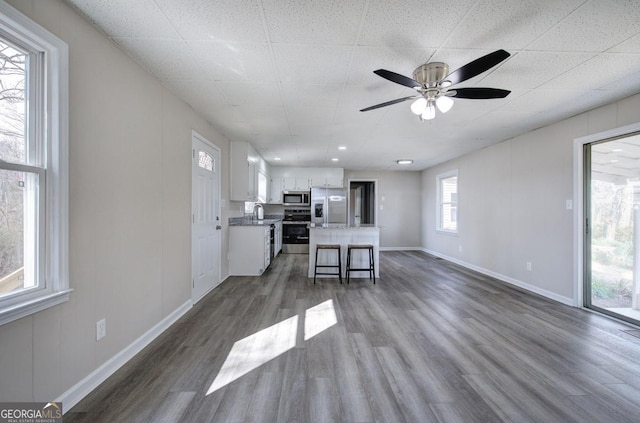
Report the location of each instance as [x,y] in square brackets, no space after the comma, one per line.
[81,389]
[520,284]
[401,249]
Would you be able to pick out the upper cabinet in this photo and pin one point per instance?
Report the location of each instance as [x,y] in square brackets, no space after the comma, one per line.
[329,177]
[303,179]
[250,178]
[296,183]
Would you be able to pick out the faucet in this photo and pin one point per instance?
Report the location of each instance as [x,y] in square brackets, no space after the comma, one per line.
[258,211]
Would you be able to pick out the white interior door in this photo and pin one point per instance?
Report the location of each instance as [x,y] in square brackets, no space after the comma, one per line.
[205,209]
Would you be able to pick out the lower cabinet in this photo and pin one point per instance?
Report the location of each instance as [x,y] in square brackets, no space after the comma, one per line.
[249,250]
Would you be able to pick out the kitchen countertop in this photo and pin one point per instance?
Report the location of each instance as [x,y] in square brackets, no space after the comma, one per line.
[343,226]
[242,221]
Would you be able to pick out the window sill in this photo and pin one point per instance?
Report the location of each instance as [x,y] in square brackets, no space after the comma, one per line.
[27,308]
[445,232]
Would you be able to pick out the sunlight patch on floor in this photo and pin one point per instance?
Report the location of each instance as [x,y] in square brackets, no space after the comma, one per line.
[255,350]
[319,318]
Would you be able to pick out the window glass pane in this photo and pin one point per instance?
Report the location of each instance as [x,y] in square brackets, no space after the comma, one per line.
[12,103]
[205,160]
[18,215]
[448,217]
[614,217]
[450,189]
[448,212]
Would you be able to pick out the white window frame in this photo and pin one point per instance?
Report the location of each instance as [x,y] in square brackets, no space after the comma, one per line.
[51,126]
[440,203]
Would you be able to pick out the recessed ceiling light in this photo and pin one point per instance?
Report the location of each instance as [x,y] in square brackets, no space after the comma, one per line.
[616,150]
[335,159]
[276,159]
[342,147]
[404,161]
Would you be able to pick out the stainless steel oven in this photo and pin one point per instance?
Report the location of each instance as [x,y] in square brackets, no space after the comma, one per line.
[295,231]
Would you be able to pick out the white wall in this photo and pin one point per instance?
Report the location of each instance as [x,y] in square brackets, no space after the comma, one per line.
[512,199]
[399,220]
[130,207]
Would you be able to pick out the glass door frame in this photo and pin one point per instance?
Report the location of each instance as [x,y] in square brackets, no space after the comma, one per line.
[582,209]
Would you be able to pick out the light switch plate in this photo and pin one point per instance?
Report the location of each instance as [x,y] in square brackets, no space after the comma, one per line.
[101,329]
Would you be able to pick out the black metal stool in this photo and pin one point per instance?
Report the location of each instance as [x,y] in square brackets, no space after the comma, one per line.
[335,247]
[371,269]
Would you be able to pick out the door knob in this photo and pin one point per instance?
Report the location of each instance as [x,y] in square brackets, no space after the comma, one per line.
[218,227]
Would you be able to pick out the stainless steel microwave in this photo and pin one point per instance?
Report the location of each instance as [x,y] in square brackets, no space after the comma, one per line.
[296,198]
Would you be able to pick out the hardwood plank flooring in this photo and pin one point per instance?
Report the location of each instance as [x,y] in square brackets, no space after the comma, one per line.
[431,341]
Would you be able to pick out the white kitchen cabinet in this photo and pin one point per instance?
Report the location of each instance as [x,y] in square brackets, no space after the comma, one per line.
[296,183]
[249,174]
[331,177]
[249,250]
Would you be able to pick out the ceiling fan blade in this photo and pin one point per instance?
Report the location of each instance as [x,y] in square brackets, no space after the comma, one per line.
[480,93]
[389,103]
[476,67]
[397,78]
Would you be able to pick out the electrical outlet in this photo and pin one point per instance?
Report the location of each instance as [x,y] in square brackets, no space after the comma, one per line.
[529,267]
[101,329]
[460,248]
[569,204]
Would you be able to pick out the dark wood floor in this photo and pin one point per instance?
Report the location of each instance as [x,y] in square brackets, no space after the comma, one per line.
[431,341]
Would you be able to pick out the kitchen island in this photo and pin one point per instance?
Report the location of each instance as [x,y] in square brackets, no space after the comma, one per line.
[344,235]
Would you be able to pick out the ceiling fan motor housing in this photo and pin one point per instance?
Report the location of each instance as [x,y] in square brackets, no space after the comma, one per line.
[430,74]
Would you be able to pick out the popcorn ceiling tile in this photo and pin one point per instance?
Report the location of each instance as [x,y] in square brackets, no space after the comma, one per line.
[312,95]
[312,21]
[226,61]
[597,72]
[254,94]
[312,64]
[595,26]
[396,59]
[528,70]
[412,24]
[488,22]
[143,18]
[220,20]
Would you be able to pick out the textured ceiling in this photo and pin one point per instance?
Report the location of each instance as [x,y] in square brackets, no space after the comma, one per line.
[290,76]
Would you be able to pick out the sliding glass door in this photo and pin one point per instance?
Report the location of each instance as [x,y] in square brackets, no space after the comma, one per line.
[612,232]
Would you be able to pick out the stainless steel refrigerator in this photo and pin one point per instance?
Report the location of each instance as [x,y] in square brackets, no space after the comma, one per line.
[329,206]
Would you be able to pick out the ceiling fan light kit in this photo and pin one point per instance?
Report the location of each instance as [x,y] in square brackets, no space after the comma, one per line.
[432,81]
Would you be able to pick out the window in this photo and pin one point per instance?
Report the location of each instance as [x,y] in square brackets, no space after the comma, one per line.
[33,167]
[206,161]
[447,212]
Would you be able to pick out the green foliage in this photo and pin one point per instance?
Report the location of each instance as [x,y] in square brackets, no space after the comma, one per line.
[613,253]
[601,288]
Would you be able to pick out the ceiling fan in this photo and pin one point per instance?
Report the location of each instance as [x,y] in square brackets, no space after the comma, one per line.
[432,81]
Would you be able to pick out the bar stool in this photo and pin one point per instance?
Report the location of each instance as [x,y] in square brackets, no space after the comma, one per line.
[335,247]
[371,269]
